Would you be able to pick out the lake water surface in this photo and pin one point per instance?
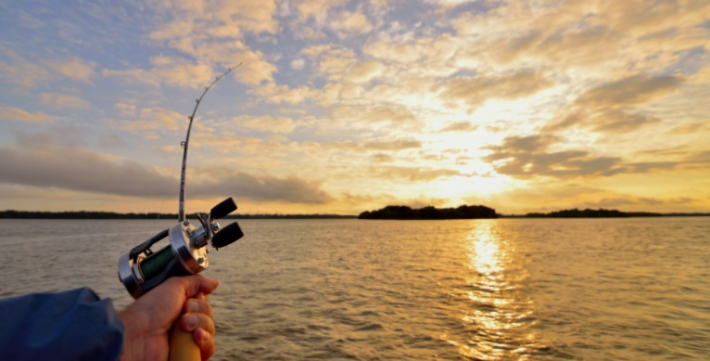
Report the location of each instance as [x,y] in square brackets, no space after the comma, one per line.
[506,289]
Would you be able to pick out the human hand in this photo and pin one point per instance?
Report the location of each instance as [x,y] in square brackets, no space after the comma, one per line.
[148,320]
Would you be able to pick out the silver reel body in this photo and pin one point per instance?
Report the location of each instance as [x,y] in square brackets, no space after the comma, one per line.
[141,269]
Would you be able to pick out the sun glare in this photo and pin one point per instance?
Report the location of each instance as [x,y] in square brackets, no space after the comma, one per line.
[466,186]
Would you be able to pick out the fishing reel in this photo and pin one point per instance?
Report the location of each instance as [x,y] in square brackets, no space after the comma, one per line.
[141,269]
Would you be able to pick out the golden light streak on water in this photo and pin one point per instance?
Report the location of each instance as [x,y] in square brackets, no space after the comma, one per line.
[499,317]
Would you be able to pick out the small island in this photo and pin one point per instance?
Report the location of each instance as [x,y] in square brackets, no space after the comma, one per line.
[603,213]
[430,213]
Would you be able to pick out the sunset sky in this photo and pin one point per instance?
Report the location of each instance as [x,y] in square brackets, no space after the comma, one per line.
[343,106]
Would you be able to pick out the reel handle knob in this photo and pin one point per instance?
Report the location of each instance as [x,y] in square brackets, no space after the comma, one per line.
[227,236]
[223,209]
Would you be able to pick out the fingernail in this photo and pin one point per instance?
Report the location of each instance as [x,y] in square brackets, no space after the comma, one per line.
[191,322]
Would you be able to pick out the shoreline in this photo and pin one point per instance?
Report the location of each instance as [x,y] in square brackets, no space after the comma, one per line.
[75,215]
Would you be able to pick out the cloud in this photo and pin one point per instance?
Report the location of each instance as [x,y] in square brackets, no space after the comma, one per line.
[255,69]
[365,72]
[655,18]
[125,109]
[75,69]
[150,118]
[450,3]
[283,94]
[630,91]
[20,115]
[474,91]
[394,52]
[86,171]
[526,157]
[702,158]
[334,61]
[376,145]
[414,174]
[399,144]
[375,201]
[593,39]
[463,126]
[351,22]
[213,33]
[616,122]
[252,16]
[379,3]
[381,158]
[192,20]
[305,32]
[690,128]
[180,72]
[171,71]
[636,201]
[29,73]
[605,121]
[317,8]
[79,170]
[394,114]
[702,76]
[267,123]
[290,189]
[63,101]
[609,108]
[298,64]
[21,71]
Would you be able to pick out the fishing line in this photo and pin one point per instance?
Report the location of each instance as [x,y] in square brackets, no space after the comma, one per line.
[172,177]
[184,144]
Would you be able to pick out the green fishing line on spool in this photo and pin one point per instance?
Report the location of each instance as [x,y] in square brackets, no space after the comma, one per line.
[153,265]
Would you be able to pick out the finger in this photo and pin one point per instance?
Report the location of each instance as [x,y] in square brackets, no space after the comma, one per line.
[202,296]
[198,283]
[205,342]
[192,321]
[194,305]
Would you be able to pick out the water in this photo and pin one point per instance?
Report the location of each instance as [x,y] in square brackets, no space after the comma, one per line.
[508,289]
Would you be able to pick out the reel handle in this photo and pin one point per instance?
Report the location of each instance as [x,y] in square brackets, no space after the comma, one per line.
[183,346]
[223,209]
[227,236]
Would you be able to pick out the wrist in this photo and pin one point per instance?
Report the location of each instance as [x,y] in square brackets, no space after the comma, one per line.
[129,318]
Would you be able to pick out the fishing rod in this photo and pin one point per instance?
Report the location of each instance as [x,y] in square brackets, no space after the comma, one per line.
[142,269]
[185,143]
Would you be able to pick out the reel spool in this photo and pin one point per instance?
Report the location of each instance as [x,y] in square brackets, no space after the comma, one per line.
[141,269]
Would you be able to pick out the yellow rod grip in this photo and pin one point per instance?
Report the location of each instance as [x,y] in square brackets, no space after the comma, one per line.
[183,346]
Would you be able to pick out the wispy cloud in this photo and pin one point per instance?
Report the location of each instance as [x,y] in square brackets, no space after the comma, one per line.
[20,115]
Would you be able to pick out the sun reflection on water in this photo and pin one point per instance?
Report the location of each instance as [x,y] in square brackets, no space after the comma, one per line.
[497,314]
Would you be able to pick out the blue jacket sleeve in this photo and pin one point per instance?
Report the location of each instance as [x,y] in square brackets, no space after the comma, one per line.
[71,325]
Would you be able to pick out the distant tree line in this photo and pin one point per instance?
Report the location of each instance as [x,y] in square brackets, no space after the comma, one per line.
[407,213]
[604,213]
[83,215]
[389,212]
[577,213]
[13,214]
[291,216]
